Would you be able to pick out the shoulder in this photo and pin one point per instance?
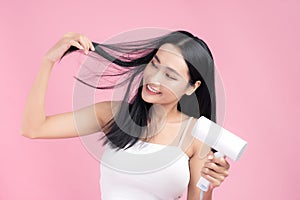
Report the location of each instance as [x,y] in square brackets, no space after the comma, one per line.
[194,147]
[200,149]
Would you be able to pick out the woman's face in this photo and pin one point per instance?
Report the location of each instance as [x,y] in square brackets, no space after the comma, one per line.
[166,77]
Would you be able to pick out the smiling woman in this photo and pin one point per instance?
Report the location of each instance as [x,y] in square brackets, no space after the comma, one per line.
[148,136]
[163,80]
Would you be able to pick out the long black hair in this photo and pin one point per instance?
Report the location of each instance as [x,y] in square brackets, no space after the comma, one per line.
[127,126]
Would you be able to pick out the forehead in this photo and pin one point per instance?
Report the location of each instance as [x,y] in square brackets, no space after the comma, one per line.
[171,56]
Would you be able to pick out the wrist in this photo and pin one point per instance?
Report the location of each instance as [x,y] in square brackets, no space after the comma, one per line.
[208,194]
[47,61]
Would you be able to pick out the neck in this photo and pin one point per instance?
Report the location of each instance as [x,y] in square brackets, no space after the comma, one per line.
[168,113]
[160,115]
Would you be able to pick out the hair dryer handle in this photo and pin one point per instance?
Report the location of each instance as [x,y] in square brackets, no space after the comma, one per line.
[203,184]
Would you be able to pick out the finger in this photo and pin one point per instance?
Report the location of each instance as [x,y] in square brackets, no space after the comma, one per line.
[213,182]
[222,162]
[213,166]
[91,45]
[76,44]
[213,174]
[210,156]
[84,42]
[88,42]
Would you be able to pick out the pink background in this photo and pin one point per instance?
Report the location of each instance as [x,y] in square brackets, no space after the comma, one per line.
[256,49]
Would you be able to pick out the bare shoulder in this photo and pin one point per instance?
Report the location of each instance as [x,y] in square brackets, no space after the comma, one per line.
[194,147]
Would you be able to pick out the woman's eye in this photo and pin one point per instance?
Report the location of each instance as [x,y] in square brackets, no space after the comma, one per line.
[171,77]
[152,63]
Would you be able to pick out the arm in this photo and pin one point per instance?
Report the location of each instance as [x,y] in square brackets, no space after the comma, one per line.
[35,124]
[81,122]
[196,164]
[213,169]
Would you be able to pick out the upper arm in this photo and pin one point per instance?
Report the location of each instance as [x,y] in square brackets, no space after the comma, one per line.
[196,163]
[81,122]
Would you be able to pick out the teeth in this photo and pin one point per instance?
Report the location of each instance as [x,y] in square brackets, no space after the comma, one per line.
[152,89]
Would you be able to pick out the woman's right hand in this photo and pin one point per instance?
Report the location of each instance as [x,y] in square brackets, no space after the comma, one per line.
[77,40]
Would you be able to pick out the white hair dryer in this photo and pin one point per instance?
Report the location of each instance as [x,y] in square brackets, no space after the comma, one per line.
[220,139]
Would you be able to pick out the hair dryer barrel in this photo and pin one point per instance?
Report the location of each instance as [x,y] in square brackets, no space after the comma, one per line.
[219,138]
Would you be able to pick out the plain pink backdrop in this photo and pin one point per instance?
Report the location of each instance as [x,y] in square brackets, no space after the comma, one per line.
[256,49]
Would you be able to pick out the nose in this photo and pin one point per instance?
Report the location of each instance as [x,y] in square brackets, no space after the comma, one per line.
[156,77]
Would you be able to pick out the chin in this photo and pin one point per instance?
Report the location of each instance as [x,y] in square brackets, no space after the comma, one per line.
[145,97]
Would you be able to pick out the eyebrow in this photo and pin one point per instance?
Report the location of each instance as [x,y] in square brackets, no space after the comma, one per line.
[169,68]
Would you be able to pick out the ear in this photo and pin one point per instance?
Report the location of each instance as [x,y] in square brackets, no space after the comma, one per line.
[193,87]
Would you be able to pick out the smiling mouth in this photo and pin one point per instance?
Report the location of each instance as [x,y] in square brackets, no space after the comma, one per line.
[151,90]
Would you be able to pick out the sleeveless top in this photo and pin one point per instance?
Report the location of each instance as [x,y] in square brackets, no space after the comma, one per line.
[145,171]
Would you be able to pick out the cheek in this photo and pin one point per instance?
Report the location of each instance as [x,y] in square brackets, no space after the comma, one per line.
[175,89]
[169,87]
[148,71]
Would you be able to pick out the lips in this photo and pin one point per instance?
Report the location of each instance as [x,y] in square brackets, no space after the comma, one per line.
[151,90]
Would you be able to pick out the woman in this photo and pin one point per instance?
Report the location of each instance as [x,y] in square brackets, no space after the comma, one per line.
[176,87]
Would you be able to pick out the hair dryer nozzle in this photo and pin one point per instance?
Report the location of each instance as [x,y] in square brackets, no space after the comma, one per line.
[219,138]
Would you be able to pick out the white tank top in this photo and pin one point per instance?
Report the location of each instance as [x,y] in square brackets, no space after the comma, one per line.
[145,171]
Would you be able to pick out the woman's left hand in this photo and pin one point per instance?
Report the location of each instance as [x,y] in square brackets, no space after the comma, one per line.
[215,170]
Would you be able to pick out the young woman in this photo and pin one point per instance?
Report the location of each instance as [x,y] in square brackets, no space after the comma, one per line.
[176,87]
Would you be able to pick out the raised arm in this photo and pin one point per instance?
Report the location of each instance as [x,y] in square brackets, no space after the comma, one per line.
[35,123]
